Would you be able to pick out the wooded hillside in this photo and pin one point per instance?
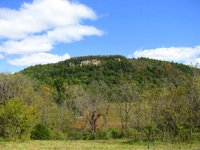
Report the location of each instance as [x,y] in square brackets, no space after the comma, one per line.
[102,97]
[112,70]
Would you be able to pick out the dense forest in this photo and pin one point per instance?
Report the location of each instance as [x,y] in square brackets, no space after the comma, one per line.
[111,70]
[102,97]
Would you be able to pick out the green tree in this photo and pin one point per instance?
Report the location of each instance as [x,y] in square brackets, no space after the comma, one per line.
[17,119]
[57,117]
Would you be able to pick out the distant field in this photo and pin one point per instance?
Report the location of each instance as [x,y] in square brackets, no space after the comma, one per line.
[94,145]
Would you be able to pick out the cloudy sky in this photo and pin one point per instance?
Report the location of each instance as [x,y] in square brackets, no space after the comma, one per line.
[47,31]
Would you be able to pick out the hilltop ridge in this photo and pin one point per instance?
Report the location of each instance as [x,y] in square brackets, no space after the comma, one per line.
[112,70]
[93,60]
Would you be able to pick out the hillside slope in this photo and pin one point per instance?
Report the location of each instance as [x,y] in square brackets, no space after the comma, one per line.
[112,70]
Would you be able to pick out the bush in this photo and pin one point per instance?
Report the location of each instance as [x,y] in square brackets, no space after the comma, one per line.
[1,138]
[103,135]
[115,133]
[59,135]
[150,133]
[186,134]
[88,136]
[75,135]
[41,132]
[99,135]
[130,133]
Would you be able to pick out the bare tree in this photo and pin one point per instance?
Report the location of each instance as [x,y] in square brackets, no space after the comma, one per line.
[15,86]
[125,97]
[93,105]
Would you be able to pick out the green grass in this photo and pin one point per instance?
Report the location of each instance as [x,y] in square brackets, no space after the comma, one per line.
[95,145]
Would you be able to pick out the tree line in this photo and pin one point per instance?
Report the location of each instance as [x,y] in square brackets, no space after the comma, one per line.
[31,109]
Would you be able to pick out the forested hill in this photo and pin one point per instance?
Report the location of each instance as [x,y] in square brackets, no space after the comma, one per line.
[112,70]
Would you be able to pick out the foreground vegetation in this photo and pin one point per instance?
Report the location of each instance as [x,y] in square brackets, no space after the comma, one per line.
[102,98]
[97,145]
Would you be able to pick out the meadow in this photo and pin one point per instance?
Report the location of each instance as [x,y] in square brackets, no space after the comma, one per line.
[95,145]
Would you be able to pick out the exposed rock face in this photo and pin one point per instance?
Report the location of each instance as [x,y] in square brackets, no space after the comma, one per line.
[90,62]
[86,62]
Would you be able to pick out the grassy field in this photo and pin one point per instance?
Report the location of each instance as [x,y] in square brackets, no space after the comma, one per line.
[95,145]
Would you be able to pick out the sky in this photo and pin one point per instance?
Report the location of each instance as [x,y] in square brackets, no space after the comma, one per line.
[47,31]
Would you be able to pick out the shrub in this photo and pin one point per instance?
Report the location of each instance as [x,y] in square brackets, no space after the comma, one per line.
[88,136]
[16,120]
[130,133]
[115,133]
[103,135]
[59,135]
[75,135]
[41,132]
[150,132]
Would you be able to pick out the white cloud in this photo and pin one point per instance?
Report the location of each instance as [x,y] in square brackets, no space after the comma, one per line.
[185,55]
[40,58]
[37,27]
[72,33]
[33,44]
[41,15]
[46,43]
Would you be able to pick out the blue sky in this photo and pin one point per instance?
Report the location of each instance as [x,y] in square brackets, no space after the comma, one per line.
[159,29]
